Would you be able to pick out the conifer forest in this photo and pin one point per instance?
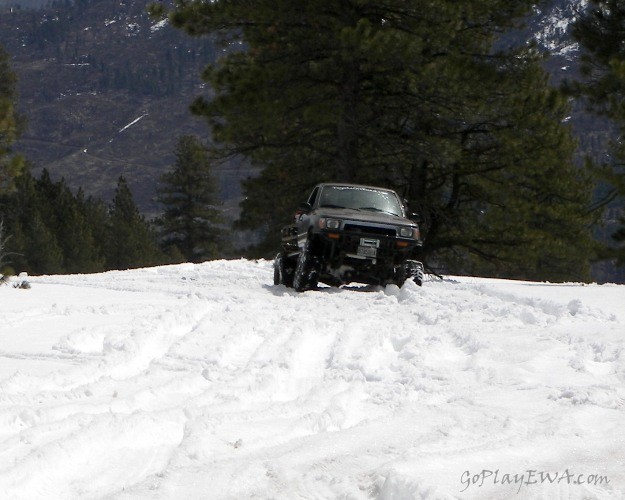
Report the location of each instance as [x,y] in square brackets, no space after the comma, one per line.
[184,131]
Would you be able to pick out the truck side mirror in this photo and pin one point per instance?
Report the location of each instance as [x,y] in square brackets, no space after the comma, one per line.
[305,208]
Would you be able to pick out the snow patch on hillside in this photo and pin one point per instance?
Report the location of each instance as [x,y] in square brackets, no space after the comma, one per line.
[206,381]
[159,25]
[125,127]
[554,24]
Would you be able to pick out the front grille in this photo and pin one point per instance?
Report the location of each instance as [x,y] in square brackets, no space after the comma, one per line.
[385,231]
[351,242]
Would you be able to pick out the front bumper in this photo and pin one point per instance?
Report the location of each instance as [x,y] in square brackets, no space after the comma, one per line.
[366,247]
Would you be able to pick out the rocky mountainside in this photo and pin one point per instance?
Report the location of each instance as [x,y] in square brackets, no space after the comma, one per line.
[106,89]
[549,27]
[33,4]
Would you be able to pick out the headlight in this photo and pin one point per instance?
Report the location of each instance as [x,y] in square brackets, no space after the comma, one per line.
[324,223]
[406,232]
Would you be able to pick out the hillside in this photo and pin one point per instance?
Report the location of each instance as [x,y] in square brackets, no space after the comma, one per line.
[106,92]
[206,381]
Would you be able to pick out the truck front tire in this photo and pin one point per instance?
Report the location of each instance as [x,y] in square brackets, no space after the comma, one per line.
[306,275]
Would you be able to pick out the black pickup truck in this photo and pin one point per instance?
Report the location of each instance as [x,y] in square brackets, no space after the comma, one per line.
[349,233]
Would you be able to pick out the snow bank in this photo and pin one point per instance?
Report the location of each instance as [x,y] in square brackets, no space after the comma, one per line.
[206,381]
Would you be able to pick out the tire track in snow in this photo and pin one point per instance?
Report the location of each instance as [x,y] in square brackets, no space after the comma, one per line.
[91,456]
[247,389]
[107,394]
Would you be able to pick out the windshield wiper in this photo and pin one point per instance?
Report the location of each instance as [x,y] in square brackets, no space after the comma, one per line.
[331,206]
[378,210]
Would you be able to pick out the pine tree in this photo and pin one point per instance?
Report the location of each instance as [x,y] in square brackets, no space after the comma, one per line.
[10,125]
[96,216]
[80,251]
[45,255]
[131,242]
[189,197]
[63,213]
[33,245]
[601,32]
[50,233]
[407,95]
[4,261]
[54,231]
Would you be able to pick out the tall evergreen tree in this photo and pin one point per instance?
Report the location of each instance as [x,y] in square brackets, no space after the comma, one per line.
[45,255]
[601,32]
[411,95]
[3,252]
[131,242]
[96,216]
[10,164]
[63,213]
[34,246]
[189,197]
[54,231]
[51,233]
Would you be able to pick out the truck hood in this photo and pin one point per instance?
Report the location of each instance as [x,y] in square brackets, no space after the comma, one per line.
[364,216]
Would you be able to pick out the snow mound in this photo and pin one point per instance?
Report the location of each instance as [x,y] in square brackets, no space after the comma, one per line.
[206,381]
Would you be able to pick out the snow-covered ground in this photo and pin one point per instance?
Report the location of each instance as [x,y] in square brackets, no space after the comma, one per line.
[207,382]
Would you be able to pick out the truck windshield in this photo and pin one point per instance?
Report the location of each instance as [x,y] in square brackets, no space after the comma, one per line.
[360,198]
